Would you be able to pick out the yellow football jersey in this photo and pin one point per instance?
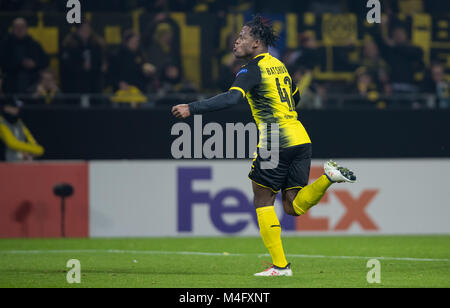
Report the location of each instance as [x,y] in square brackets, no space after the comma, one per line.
[269,89]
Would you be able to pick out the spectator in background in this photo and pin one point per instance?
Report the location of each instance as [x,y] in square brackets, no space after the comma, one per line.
[306,57]
[129,66]
[129,96]
[375,65]
[438,85]
[21,59]
[313,93]
[16,141]
[301,64]
[404,59]
[161,43]
[172,82]
[367,89]
[130,73]
[83,61]
[47,89]
[170,79]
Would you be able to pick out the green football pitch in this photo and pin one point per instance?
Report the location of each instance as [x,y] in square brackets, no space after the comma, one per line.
[216,262]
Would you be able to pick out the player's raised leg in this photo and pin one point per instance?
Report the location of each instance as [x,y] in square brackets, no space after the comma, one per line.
[270,230]
[298,202]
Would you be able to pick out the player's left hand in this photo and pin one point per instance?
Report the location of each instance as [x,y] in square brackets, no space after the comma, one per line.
[181,111]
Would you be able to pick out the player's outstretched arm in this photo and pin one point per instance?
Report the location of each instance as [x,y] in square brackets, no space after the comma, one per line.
[218,102]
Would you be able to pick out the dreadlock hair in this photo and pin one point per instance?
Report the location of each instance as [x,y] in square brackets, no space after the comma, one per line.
[262,29]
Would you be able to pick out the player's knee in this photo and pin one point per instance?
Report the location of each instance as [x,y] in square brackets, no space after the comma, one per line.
[289,208]
[288,200]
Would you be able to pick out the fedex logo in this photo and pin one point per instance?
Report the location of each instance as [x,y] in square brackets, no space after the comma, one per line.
[188,199]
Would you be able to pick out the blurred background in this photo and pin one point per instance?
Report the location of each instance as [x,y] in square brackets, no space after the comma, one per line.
[158,49]
[76,100]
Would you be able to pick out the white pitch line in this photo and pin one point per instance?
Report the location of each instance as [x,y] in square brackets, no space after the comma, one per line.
[198,253]
[363,258]
[118,251]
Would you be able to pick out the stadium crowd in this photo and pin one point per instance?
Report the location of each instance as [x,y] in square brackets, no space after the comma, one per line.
[264,6]
[145,64]
[151,62]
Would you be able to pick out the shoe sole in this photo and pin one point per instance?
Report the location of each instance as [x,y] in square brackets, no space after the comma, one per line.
[287,274]
[345,172]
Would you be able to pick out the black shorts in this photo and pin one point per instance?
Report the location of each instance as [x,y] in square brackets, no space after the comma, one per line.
[292,171]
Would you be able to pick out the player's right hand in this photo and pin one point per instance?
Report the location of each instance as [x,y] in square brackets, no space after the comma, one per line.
[181,111]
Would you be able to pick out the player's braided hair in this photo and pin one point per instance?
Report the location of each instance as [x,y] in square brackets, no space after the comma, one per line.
[262,29]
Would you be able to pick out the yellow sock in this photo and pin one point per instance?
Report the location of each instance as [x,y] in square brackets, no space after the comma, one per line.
[270,230]
[311,194]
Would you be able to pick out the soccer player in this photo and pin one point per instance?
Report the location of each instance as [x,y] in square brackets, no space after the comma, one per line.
[265,82]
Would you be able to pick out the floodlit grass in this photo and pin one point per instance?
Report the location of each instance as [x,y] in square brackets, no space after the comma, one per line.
[229,262]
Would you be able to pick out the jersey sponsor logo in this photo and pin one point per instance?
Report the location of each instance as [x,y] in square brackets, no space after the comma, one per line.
[242,71]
